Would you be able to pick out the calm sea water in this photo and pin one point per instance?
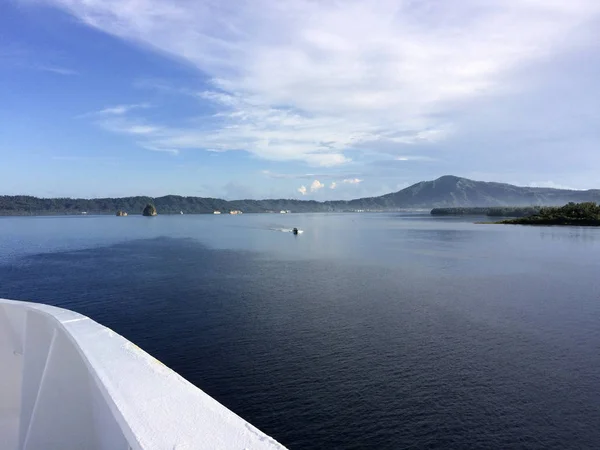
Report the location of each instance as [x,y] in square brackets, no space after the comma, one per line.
[382,331]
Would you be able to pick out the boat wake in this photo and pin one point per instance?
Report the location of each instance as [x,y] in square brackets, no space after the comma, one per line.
[286,230]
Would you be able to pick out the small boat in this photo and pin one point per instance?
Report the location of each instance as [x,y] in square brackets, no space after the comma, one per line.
[295,230]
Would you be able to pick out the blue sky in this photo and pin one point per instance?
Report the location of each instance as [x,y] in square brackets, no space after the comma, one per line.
[314,99]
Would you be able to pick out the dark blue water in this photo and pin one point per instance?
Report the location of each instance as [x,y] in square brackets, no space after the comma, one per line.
[377,331]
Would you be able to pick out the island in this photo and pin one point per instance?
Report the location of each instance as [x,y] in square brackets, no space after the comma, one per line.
[578,214]
[149,210]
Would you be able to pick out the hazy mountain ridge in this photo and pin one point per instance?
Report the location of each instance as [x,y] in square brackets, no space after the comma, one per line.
[446,191]
[452,191]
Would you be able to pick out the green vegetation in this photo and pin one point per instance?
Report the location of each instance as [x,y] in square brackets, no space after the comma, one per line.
[149,210]
[445,192]
[498,211]
[21,205]
[582,214]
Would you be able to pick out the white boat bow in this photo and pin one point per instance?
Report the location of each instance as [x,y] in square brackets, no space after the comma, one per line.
[67,382]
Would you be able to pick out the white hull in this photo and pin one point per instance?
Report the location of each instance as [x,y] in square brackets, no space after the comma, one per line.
[67,382]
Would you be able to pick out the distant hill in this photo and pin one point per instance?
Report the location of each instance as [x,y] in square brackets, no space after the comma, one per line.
[170,204]
[451,191]
[447,191]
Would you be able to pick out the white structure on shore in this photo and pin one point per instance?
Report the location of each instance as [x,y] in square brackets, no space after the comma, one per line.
[68,383]
[217,212]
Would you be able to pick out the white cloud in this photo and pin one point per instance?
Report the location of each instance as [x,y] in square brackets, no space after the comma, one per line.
[333,185]
[325,159]
[305,176]
[352,181]
[172,151]
[414,158]
[120,110]
[316,185]
[122,124]
[307,80]
[114,111]
[141,129]
[549,184]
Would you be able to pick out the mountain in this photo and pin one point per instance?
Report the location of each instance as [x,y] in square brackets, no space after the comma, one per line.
[447,191]
[452,191]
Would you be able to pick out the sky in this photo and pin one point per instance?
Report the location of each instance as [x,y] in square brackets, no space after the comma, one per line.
[310,99]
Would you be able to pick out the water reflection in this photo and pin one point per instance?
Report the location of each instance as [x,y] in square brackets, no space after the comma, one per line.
[578,235]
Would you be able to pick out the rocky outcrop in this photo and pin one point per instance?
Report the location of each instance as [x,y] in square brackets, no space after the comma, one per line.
[121,213]
[149,210]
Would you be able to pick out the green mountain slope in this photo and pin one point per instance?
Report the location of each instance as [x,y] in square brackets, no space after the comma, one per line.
[451,191]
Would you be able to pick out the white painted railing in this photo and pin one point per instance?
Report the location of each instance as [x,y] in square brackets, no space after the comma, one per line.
[67,382]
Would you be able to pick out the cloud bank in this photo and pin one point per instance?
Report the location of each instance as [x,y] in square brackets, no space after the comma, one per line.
[352,181]
[311,81]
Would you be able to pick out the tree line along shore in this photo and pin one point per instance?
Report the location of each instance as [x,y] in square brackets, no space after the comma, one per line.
[578,214]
